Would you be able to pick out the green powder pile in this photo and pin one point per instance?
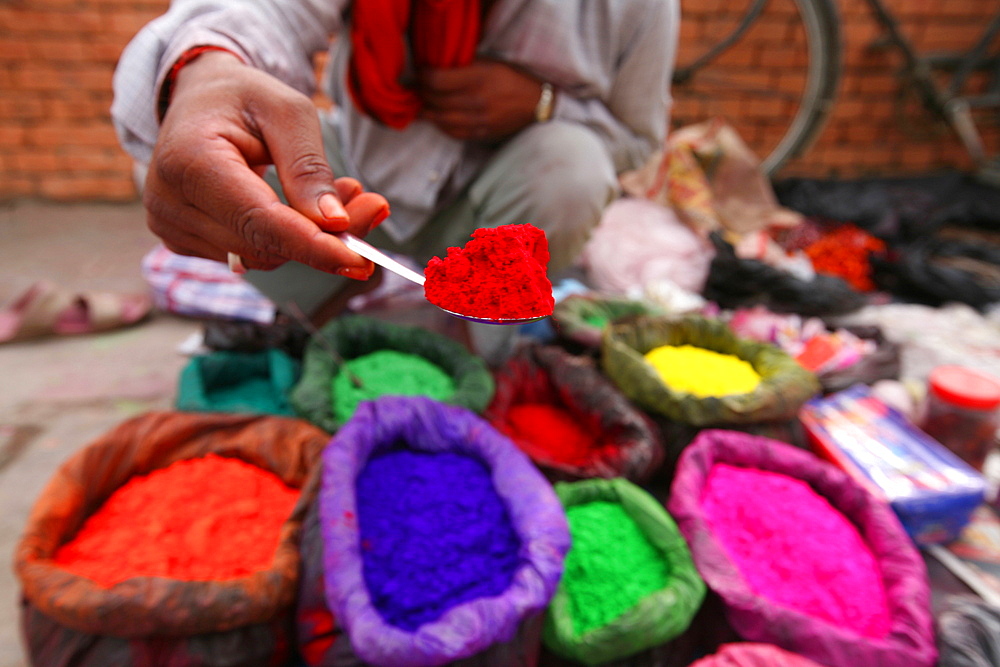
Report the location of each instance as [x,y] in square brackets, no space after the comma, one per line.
[611,567]
[384,373]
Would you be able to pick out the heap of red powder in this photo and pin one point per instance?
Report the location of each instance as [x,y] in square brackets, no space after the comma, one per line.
[205,519]
[499,274]
[549,434]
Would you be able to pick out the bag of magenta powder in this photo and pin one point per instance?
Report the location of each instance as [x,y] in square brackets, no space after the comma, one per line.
[571,420]
[801,555]
[441,542]
[73,620]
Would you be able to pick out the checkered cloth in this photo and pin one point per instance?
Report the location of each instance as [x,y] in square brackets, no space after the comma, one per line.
[202,288]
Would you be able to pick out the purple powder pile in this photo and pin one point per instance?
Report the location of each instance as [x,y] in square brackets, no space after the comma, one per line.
[434,534]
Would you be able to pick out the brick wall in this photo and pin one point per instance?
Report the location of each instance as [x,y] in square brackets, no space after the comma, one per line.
[57,59]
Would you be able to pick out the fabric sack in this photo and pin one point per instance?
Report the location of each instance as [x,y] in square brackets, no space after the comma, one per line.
[655,619]
[356,336]
[910,639]
[70,620]
[497,631]
[628,443]
[784,385]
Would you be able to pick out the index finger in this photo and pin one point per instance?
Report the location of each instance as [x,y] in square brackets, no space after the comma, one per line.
[228,191]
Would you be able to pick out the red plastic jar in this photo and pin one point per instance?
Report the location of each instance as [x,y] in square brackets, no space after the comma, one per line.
[962,411]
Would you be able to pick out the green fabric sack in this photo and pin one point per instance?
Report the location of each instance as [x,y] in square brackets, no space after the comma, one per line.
[784,385]
[251,382]
[581,318]
[355,336]
[655,619]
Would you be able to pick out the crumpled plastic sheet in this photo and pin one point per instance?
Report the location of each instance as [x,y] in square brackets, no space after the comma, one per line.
[638,242]
[930,337]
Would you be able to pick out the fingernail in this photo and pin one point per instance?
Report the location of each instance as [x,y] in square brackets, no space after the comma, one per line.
[331,208]
[380,217]
[354,272]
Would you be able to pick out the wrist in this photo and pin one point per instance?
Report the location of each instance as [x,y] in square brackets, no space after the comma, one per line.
[198,58]
[546,103]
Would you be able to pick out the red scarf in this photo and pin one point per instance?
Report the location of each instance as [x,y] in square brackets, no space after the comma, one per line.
[442,33]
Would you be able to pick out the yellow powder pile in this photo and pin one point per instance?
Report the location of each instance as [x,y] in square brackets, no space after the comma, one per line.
[701,372]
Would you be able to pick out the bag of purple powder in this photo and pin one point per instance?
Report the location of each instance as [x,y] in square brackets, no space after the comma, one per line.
[441,542]
[801,555]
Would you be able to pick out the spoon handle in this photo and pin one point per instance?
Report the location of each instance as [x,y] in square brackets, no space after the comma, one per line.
[369,251]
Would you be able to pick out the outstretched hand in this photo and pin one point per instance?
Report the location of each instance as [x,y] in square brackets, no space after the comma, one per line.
[205,194]
[485,101]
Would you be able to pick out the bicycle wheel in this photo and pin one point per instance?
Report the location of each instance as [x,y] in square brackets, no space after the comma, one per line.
[775,83]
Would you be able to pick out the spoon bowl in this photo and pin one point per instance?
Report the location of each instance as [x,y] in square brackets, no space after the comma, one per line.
[372,253]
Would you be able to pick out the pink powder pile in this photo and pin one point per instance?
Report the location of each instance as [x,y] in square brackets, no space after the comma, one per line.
[793,548]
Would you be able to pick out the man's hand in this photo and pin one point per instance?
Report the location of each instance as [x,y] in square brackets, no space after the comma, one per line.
[485,101]
[204,193]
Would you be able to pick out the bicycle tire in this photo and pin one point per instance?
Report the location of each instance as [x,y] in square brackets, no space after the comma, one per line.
[821,23]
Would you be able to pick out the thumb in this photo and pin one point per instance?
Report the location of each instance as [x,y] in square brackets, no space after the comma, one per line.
[295,143]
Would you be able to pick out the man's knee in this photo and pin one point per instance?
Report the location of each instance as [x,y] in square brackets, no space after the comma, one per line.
[570,169]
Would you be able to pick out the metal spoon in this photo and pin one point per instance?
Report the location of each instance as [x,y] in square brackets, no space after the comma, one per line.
[372,253]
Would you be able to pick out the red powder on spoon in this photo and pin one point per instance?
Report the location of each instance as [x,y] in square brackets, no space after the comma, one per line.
[499,274]
[204,519]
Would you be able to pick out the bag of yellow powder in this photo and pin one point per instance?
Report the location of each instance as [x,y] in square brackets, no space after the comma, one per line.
[384,359]
[700,373]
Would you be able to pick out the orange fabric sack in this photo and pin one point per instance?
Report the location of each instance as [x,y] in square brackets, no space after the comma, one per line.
[70,620]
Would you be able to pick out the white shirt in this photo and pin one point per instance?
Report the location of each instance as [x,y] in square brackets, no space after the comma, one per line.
[610,60]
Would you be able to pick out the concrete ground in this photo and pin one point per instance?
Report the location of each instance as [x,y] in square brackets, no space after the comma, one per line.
[58,393]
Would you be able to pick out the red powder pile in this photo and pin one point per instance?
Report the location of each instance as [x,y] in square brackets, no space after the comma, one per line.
[548,433]
[499,274]
[203,519]
[793,548]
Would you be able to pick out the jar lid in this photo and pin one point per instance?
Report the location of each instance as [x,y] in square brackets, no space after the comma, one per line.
[965,388]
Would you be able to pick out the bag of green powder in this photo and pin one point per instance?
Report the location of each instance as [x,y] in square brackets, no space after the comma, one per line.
[622,441]
[784,385]
[581,318]
[384,359]
[629,584]
[251,382]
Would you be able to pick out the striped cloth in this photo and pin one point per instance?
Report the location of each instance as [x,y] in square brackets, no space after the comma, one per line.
[202,288]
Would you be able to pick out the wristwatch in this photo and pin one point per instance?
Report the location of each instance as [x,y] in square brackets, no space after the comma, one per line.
[543,110]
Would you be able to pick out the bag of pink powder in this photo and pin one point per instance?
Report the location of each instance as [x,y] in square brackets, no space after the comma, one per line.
[570,420]
[801,555]
[434,540]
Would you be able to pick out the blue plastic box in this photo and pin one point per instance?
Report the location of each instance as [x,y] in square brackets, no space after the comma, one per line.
[932,491]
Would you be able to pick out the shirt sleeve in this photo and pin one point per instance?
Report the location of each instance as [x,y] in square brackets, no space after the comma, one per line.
[278,36]
[633,121]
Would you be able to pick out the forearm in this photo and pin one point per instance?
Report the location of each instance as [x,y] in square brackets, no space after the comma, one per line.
[279,38]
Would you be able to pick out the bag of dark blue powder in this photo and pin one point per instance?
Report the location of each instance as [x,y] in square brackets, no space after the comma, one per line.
[441,543]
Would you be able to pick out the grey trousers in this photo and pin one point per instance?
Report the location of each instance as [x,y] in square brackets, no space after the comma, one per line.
[557,176]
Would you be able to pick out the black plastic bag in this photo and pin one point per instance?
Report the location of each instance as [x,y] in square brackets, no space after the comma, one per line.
[734,282]
[969,633]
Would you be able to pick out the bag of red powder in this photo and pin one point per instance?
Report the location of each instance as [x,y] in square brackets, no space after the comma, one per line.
[495,630]
[784,384]
[906,633]
[572,422]
[356,336]
[68,619]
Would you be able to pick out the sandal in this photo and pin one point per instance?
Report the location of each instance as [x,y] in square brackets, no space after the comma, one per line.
[48,309]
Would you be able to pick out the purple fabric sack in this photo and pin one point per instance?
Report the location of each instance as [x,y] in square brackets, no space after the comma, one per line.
[467,628]
[910,640]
